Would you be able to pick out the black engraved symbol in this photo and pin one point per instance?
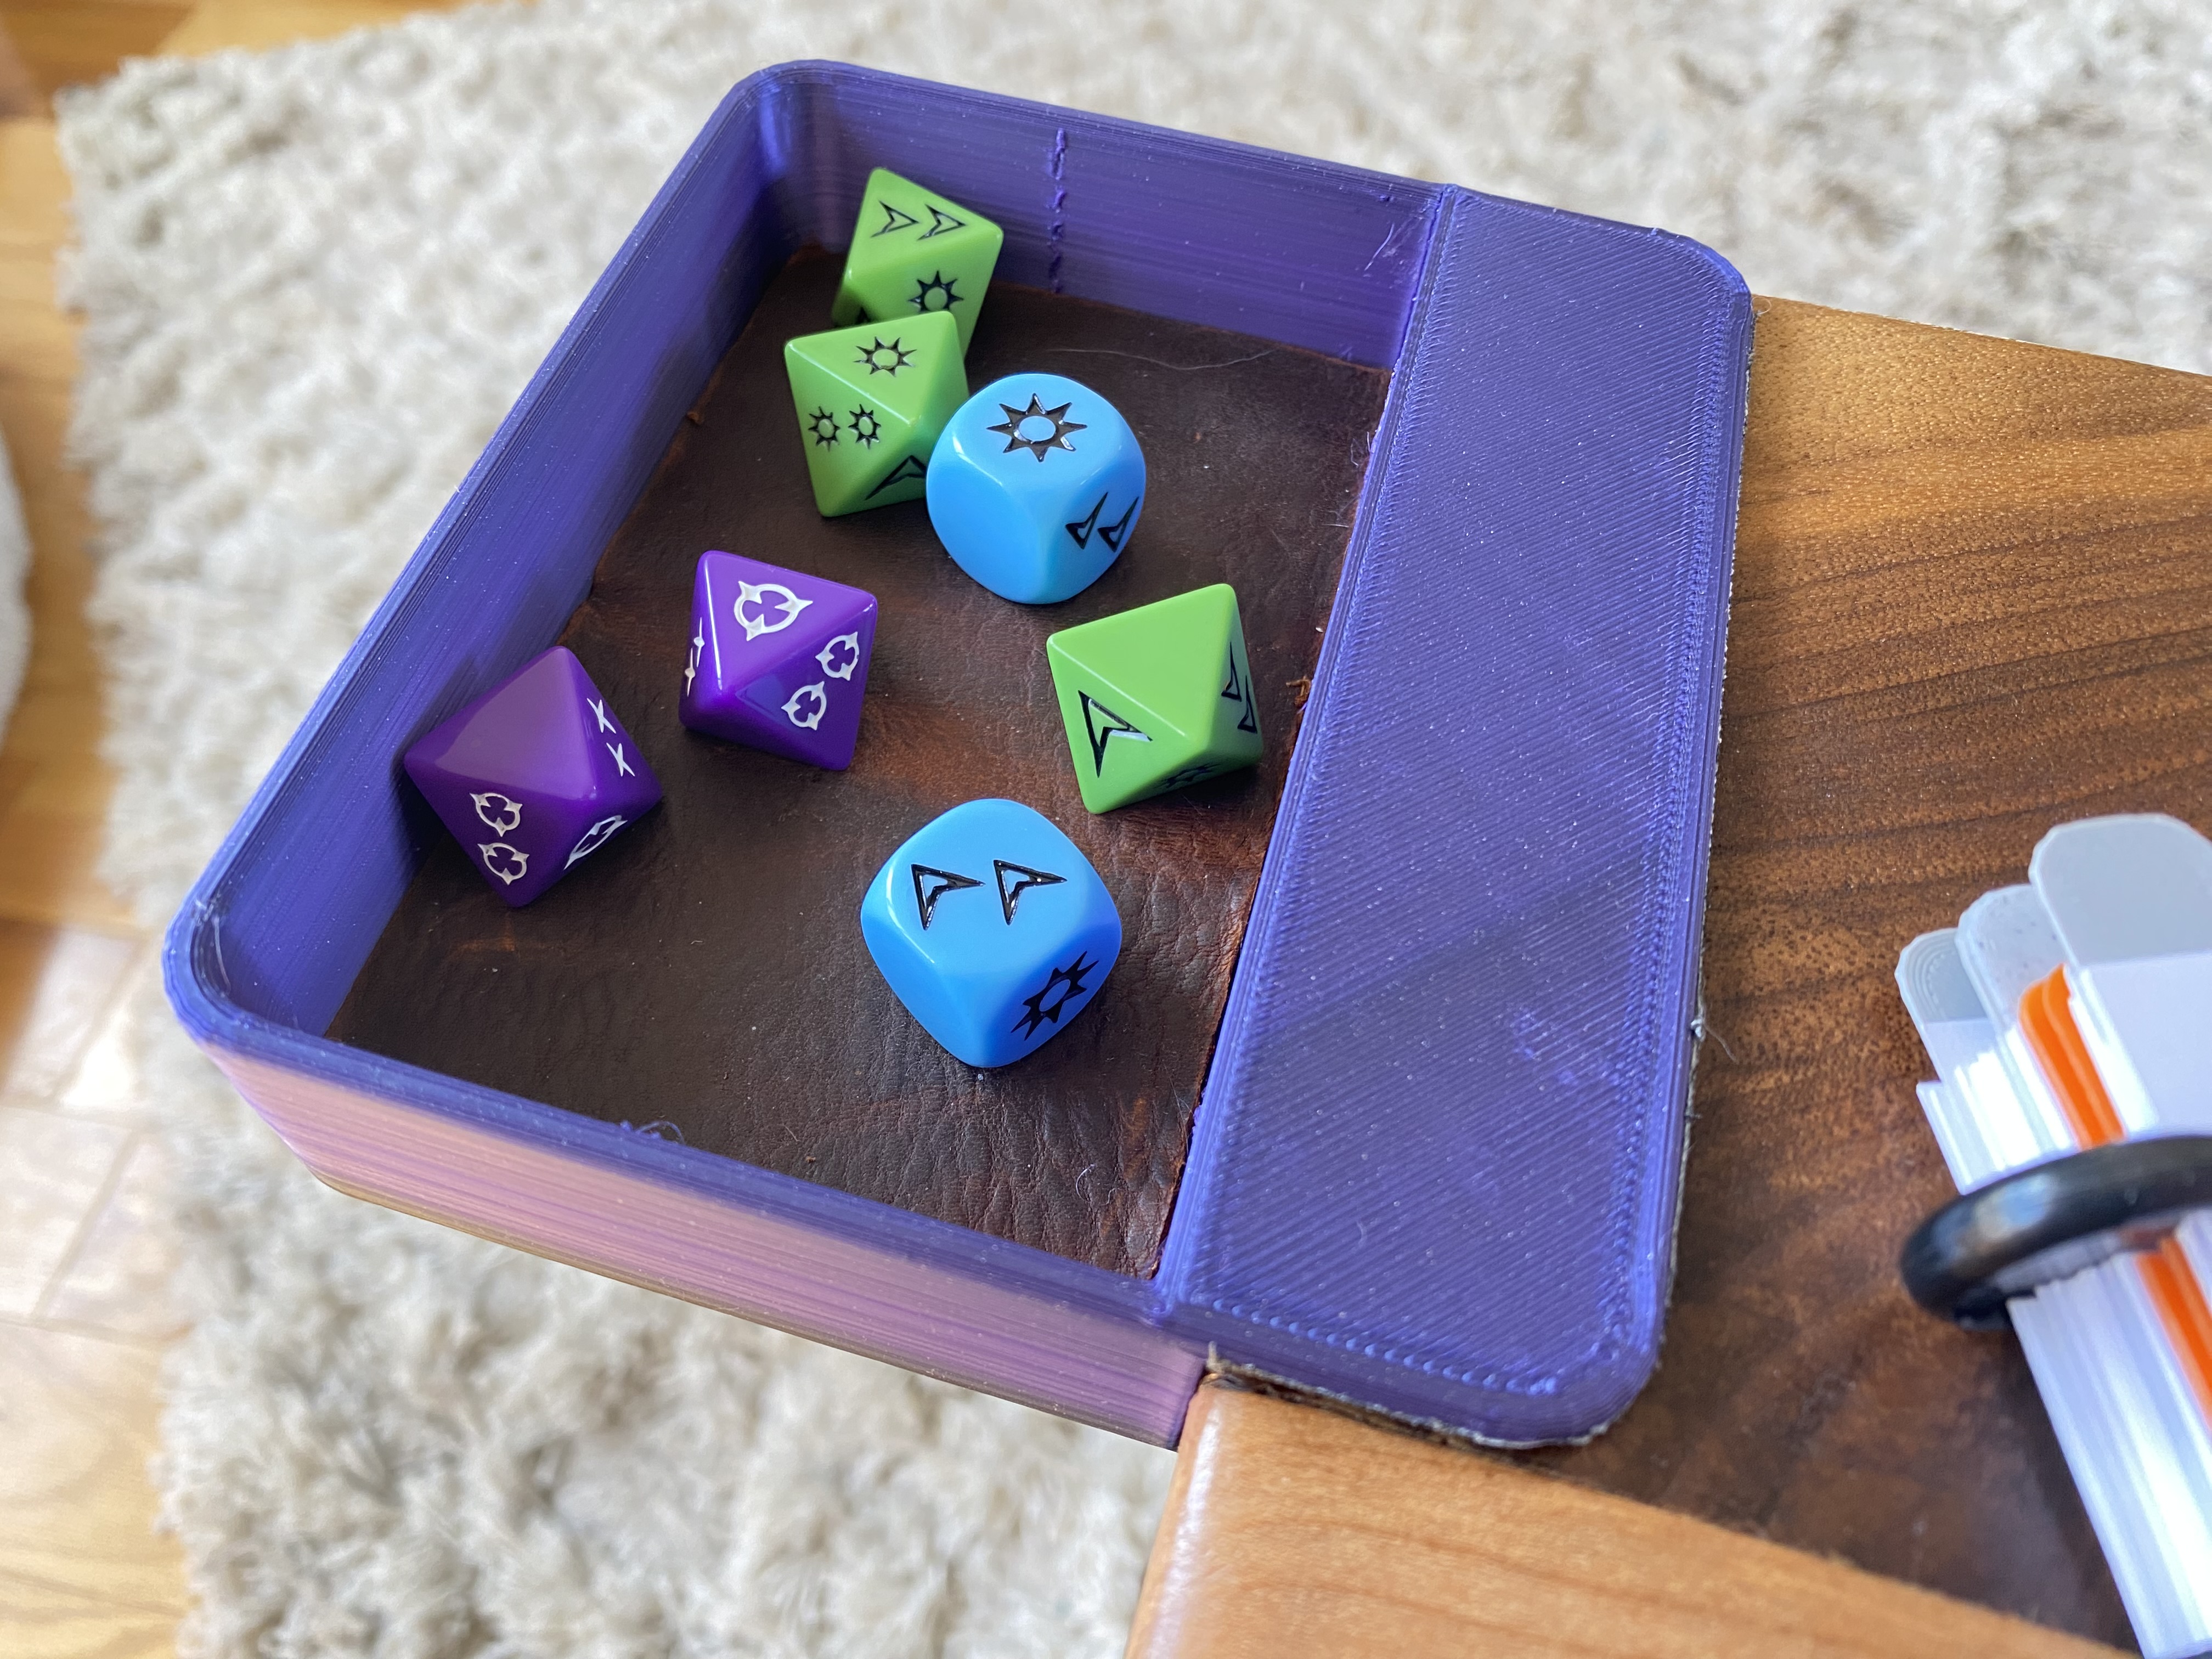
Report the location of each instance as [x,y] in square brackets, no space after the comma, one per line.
[1102,723]
[1025,879]
[865,427]
[824,425]
[1189,774]
[1081,530]
[881,359]
[912,467]
[1045,1006]
[1242,693]
[931,885]
[940,222]
[1111,534]
[893,220]
[936,293]
[1056,439]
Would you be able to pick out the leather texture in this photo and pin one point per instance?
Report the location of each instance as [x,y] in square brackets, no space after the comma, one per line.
[709,975]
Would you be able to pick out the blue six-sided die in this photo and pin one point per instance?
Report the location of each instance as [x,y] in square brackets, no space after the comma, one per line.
[1034,487]
[993,929]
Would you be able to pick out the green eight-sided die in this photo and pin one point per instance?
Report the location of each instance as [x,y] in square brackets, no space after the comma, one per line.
[1156,698]
[871,402]
[914,254]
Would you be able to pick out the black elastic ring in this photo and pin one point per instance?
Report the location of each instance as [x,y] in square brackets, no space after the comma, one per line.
[1978,1252]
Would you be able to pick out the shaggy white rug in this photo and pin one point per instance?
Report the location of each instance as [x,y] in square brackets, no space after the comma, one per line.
[313,280]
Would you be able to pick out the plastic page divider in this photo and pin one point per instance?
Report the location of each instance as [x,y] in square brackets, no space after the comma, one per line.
[2130,895]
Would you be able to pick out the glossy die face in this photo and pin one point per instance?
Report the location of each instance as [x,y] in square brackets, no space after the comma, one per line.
[870,402]
[777,659]
[533,776]
[1034,487]
[914,254]
[993,929]
[1157,698]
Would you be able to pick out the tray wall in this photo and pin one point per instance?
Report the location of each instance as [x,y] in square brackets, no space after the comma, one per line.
[278,926]
[1437,1164]
[1515,715]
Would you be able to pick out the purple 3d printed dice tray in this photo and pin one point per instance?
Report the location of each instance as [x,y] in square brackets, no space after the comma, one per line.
[1474,942]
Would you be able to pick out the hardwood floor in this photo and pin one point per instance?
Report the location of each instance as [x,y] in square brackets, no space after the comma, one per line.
[83,1271]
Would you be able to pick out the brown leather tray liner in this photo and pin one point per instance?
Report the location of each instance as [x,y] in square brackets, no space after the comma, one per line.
[706,973]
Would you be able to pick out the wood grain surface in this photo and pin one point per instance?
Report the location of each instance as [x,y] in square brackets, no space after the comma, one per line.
[1973,598]
[1324,1539]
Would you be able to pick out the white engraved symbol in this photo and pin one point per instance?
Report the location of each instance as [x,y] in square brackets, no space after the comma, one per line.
[786,611]
[504,816]
[698,644]
[841,656]
[595,837]
[817,696]
[622,765]
[599,712]
[510,864]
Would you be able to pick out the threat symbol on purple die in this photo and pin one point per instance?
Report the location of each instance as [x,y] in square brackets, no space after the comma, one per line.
[533,775]
[777,659]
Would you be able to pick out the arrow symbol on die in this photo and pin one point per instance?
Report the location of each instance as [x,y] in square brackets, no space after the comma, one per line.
[1025,878]
[912,467]
[1102,724]
[1111,534]
[931,885]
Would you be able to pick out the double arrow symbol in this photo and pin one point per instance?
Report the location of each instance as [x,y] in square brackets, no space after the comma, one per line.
[930,885]
[1110,534]
[895,219]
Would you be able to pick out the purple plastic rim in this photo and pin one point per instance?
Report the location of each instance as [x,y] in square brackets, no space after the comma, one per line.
[1422,278]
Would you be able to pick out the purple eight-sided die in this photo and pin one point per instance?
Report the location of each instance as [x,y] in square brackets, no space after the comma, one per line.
[533,775]
[777,659]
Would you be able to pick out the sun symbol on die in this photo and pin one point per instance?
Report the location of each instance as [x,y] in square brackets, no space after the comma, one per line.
[824,427]
[865,427]
[1036,429]
[881,359]
[1064,987]
[935,293]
